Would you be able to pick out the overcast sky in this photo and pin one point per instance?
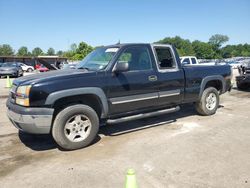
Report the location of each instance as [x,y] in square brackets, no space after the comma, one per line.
[58,23]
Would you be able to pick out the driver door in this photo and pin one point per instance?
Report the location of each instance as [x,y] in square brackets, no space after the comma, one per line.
[134,89]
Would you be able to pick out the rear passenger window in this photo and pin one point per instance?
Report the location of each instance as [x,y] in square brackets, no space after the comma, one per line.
[165,58]
[193,60]
[137,57]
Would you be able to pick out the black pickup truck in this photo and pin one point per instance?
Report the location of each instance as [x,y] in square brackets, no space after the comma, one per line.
[113,84]
[243,79]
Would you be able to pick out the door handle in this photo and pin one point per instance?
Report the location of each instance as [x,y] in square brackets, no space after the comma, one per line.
[152,78]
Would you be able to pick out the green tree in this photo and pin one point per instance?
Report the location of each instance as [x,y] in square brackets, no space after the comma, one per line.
[78,52]
[51,51]
[23,51]
[37,51]
[183,46]
[218,39]
[59,53]
[203,50]
[83,49]
[6,50]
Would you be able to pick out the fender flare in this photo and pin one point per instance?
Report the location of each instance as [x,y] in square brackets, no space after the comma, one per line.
[53,97]
[212,78]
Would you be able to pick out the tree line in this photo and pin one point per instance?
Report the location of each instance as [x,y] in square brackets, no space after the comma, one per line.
[208,50]
[213,49]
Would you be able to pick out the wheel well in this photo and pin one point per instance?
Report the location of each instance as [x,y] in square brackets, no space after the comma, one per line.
[88,99]
[217,84]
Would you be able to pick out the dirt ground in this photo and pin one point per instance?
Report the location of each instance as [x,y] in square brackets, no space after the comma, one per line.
[181,149]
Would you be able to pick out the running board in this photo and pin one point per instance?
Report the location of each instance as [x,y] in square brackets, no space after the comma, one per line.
[145,115]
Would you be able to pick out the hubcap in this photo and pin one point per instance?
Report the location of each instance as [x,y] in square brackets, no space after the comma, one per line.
[77,128]
[211,101]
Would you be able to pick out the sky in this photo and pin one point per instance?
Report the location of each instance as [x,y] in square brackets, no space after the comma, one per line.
[59,23]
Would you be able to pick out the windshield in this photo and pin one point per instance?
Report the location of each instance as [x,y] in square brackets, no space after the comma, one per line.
[8,65]
[98,59]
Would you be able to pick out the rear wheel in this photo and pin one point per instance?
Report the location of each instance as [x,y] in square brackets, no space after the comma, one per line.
[209,102]
[75,127]
[29,70]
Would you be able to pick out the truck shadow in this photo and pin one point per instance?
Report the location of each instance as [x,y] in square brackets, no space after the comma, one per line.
[148,123]
[37,142]
[46,142]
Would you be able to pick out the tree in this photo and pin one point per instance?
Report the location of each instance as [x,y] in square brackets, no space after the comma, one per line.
[23,51]
[83,49]
[73,47]
[6,50]
[37,51]
[203,50]
[51,51]
[78,52]
[59,53]
[183,46]
[218,39]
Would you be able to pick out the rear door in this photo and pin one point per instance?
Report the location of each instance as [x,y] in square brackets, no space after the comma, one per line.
[170,77]
[135,89]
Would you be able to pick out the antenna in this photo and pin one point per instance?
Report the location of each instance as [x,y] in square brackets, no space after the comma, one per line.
[119,42]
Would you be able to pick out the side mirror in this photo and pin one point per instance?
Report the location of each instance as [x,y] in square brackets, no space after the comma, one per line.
[184,63]
[121,66]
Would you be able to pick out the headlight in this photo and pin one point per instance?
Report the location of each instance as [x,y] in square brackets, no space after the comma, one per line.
[22,95]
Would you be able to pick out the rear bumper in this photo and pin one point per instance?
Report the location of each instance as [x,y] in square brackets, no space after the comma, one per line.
[30,120]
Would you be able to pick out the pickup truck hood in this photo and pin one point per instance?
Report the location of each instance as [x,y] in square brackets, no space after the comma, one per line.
[55,75]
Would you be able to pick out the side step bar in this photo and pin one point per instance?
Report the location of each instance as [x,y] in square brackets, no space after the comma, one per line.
[146,115]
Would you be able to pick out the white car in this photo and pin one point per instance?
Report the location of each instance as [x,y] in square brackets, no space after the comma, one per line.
[189,60]
[26,68]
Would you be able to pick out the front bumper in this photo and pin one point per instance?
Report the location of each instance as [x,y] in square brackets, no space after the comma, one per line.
[30,120]
[243,79]
[8,73]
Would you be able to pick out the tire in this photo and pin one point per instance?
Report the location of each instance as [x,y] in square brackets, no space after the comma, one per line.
[29,70]
[207,108]
[75,127]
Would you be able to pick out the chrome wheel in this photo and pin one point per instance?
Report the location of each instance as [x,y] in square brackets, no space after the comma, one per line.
[211,101]
[77,128]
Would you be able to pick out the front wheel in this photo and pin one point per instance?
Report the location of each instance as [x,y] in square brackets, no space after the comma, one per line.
[208,103]
[75,127]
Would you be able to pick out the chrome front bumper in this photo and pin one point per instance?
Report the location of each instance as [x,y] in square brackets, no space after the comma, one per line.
[30,120]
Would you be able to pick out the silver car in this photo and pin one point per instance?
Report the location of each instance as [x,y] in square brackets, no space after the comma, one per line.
[11,69]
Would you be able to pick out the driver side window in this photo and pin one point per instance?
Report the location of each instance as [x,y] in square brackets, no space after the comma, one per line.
[137,57]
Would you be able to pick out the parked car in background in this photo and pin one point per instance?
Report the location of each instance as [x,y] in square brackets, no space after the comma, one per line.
[11,69]
[69,66]
[243,79]
[26,68]
[41,68]
[189,60]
